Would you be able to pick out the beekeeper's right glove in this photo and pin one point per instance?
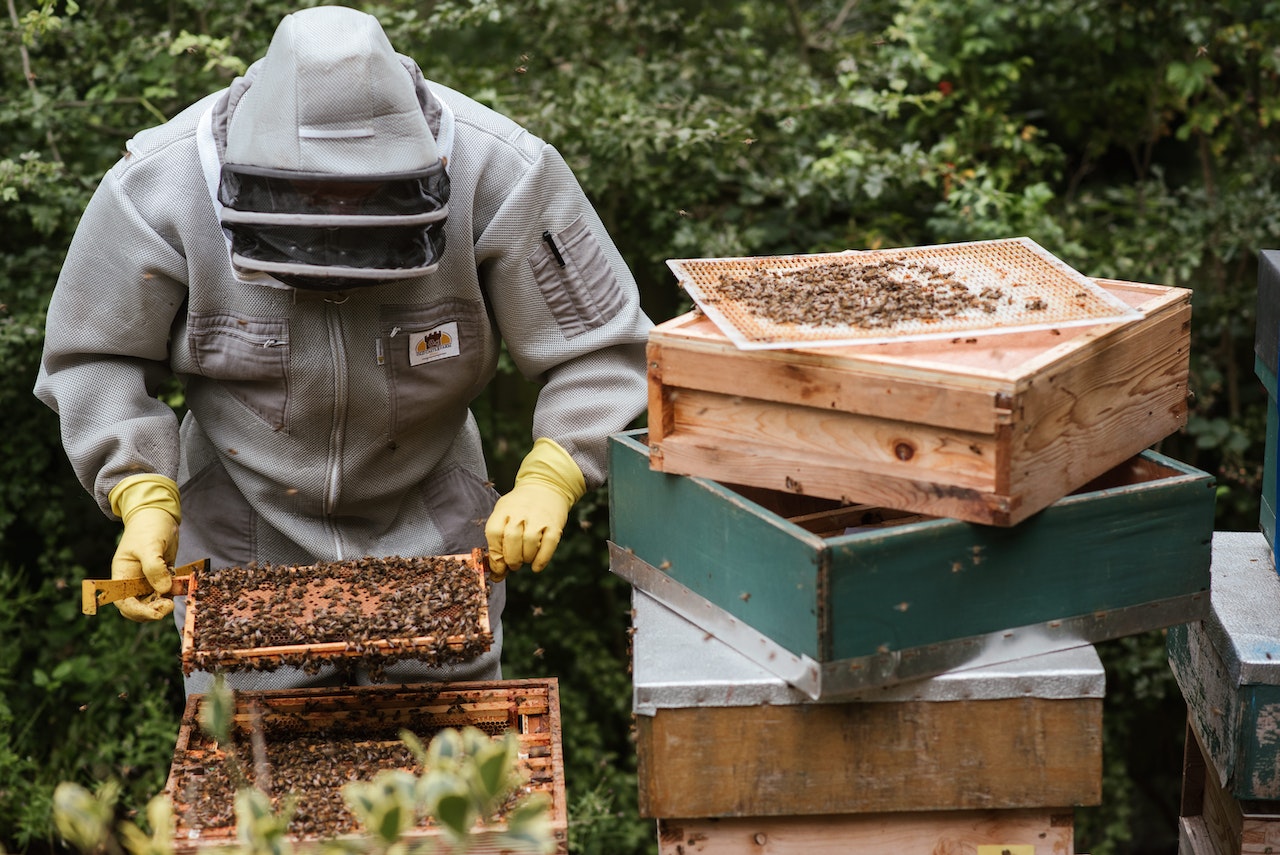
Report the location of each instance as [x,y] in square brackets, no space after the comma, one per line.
[150,508]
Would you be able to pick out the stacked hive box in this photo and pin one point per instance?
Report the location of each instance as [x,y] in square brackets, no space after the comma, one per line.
[1228,665]
[733,759]
[1228,668]
[854,518]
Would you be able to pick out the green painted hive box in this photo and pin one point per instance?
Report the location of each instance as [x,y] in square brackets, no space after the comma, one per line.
[1228,668]
[838,598]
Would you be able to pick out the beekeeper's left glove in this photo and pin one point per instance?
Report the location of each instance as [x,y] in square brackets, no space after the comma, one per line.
[150,508]
[526,524]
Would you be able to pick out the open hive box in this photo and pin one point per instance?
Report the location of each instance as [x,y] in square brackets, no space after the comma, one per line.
[837,598]
[373,611]
[316,740]
[985,425]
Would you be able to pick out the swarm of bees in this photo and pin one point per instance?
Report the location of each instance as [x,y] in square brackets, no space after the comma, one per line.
[875,295]
[374,610]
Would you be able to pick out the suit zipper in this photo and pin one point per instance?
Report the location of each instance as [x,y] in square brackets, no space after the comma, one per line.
[338,429]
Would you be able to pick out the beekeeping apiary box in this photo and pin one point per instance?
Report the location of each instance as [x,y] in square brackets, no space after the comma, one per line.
[733,759]
[1228,668]
[983,428]
[1267,332]
[1267,503]
[838,598]
[1265,344]
[982,832]
[316,740]
[1214,822]
[719,736]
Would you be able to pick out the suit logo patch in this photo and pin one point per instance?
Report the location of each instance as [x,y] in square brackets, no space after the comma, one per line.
[437,343]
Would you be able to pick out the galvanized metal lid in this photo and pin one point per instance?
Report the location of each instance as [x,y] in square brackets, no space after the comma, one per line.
[1244,604]
[676,665]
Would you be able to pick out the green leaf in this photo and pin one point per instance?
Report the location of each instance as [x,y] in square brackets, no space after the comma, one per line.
[217,710]
[493,770]
[454,812]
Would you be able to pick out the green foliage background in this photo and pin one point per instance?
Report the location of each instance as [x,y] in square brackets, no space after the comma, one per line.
[1134,140]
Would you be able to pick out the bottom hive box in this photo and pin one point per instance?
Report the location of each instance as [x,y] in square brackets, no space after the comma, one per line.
[988,832]
[1213,822]
[720,737]
[315,740]
[1228,668]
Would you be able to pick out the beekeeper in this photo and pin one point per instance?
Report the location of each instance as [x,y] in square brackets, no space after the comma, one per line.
[328,254]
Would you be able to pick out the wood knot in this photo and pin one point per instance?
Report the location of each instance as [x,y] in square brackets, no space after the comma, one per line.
[904,451]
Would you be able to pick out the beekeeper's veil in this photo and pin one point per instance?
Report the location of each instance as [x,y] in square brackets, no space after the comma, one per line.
[331,178]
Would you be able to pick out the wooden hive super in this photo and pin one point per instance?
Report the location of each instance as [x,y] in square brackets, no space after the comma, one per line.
[983,428]
[315,740]
[1228,668]
[835,599]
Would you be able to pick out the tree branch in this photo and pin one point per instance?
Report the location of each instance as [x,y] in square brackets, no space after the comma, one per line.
[797,22]
[31,81]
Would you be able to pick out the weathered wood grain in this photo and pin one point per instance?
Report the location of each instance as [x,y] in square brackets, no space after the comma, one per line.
[867,757]
[1213,821]
[1020,832]
[988,429]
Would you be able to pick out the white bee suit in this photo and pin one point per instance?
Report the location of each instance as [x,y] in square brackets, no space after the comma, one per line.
[326,426]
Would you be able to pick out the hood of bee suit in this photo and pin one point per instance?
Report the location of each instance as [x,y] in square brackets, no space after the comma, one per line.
[330,177]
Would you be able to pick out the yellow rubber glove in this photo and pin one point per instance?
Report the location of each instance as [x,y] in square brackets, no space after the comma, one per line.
[526,524]
[150,508]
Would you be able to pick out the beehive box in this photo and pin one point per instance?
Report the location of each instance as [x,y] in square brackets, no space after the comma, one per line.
[1267,332]
[1228,668]
[836,598]
[982,428]
[315,740]
[1212,821]
[1267,505]
[1029,831]
[718,736]
[370,611]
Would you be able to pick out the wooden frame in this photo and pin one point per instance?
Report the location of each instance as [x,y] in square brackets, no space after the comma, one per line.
[987,429]
[310,597]
[529,708]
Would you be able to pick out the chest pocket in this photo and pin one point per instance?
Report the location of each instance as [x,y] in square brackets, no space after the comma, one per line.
[247,357]
[433,357]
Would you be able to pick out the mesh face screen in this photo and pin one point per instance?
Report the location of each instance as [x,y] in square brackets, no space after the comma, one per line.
[894,295]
